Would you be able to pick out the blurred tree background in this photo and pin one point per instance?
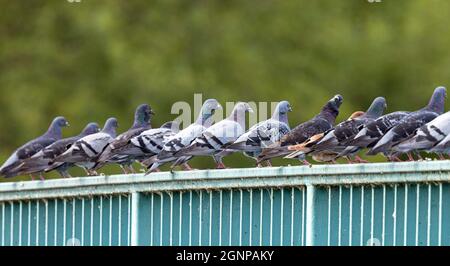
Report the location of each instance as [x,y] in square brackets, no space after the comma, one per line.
[100,58]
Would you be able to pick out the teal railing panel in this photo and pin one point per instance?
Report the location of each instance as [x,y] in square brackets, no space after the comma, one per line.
[391,204]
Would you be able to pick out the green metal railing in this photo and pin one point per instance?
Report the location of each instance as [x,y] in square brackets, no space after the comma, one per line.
[364,204]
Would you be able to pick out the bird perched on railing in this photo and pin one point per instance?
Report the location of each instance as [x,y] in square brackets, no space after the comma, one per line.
[41,161]
[319,124]
[427,136]
[85,151]
[32,147]
[324,155]
[264,133]
[335,140]
[213,140]
[142,122]
[149,143]
[409,124]
[372,132]
[184,137]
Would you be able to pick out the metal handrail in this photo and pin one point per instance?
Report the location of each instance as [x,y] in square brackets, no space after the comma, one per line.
[287,176]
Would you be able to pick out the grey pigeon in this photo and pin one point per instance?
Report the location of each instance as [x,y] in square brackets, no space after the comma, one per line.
[217,137]
[321,123]
[335,140]
[265,133]
[41,161]
[149,143]
[409,124]
[428,135]
[369,135]
[85,151]
[184,137]
[32,147]
[142,120]
[443,147]
[309,147]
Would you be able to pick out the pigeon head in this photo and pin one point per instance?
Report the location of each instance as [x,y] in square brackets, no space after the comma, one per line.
[142,116]
[55,129]
[110,127]
[90,129]
[281,111]
[172,125]
[283,108]
[239,111]
[377,107]
[332,107]
[437,100]
[243,108]
[208,109]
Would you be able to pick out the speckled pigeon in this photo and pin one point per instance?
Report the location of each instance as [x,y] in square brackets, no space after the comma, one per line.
[442,148]
[41,161]
[319,124]
[85,151]
[371,133]
[428,135]
[264,133]
[142,122]
[217,137]
[149,143]
[325,155]
[335,140]
[409,124]
[184,137]
[32,147]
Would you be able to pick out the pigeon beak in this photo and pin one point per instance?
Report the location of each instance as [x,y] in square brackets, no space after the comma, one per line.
[152,113]
[290,109]
[67,124]
[219,106]
[250,110]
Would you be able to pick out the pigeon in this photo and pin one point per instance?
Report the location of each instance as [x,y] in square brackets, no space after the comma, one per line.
[441,148]
[335,140]
[428,135]
[265,133]
[85,151]
[319,124]
[142,119]
[374,131]
[32,147]
[312,145]
[214,139]
[184,137]
[39,162]
[409,124]
[149,143]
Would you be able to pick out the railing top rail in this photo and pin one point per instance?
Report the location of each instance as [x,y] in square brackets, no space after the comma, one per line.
[243,178]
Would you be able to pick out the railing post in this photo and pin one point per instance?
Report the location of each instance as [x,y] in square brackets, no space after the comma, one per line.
[310,215]
[135,197]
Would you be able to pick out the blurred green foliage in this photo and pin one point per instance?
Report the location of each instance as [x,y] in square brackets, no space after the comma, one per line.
[100,58]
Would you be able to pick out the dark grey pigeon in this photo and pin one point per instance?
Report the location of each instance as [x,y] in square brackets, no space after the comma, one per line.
[32,147]
[409,124]
[85,151]
[428,135]
[335,140]
[348,129]
[142,122]
[41,161]
[375,130]
[321,123]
